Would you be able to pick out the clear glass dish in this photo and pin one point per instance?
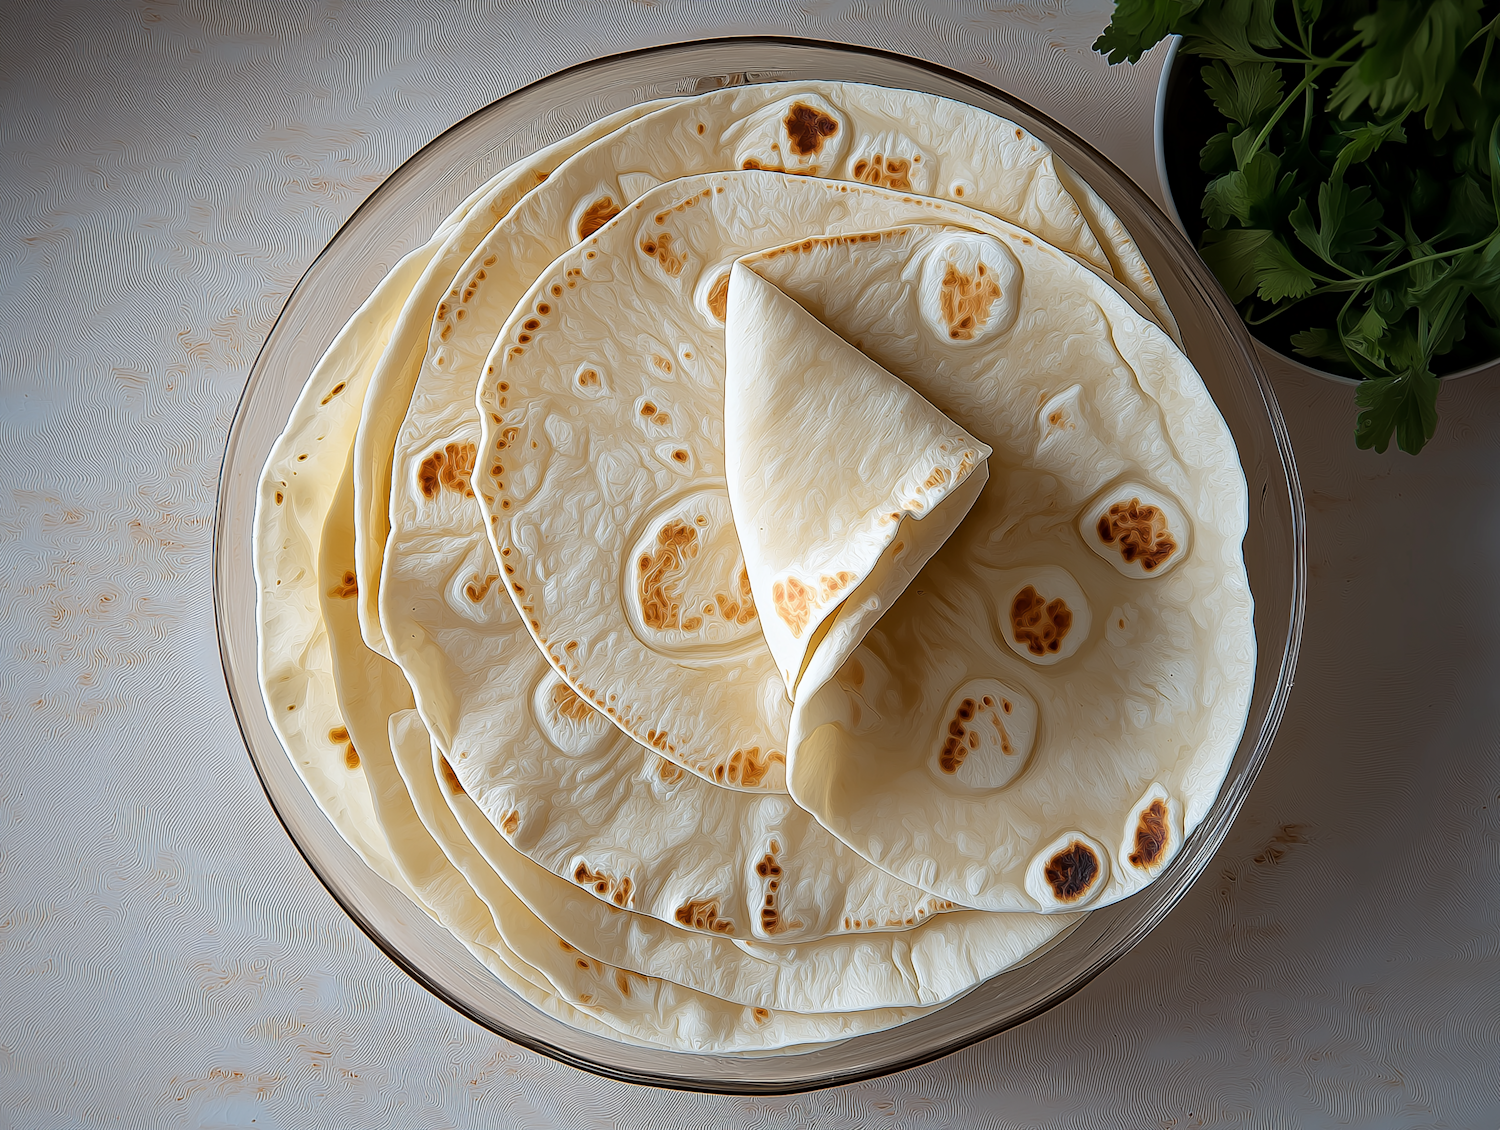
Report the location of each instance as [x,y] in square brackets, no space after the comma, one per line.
[403,212]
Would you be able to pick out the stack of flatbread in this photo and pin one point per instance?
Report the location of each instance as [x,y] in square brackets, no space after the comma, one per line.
[762,568]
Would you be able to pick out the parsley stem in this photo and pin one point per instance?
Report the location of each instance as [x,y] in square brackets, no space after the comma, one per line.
[1308,60]
[1276,311]
[1260,138]
[1428,259]
[1488,31]
[1305,36]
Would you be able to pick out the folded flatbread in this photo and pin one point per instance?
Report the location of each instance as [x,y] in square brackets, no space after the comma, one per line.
[843,481]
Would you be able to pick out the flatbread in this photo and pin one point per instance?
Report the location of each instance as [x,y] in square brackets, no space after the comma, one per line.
[298,484]
[652,1008]
[1050,707]
[365,681]
[396,371]
[932,963]
[300,477]
[846,480]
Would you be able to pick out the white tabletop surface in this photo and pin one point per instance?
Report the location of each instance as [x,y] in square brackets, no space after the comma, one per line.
[167,172]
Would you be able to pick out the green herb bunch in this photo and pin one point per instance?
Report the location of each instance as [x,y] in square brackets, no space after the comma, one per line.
[1355,192]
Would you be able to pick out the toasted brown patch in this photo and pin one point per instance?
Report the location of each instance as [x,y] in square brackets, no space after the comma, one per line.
[939,476]
[1140,533]
[450,778]
[568,705]
[589,378]
[511,822]
[334,391]
[737,608]
[961,737]
[450,468]
[661,604]
[965,300]
[596,215]
[703,914]
[616,890]
[1071,872]
[659,247]
[1040,624]
[828,586]
[1151,835]
[793,603]
[668,771]
[807,127]
[339,735]
[348,586]
[748,767]
[769,869]
[718,297]
[761,1015]
[476,589]
[885,172]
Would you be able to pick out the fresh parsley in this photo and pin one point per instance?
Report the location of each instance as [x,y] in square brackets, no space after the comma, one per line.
[1352,207]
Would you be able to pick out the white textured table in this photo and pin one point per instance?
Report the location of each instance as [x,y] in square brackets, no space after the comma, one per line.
[167,172]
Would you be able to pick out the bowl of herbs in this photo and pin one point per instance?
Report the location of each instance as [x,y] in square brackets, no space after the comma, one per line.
[1337,165]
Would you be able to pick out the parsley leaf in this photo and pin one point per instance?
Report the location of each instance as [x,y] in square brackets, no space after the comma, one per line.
[1231,30]
[1253,261]
[1364,139]
[1321,344]
[1479,273]
[1139,25]
[1243,91]
[1471,211]
[1348,216]
[1406,405]
[1412,53]
[1243,194]
[1366,338]
[1218,152]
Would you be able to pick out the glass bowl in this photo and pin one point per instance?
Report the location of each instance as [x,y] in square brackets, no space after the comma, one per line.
[403,212]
